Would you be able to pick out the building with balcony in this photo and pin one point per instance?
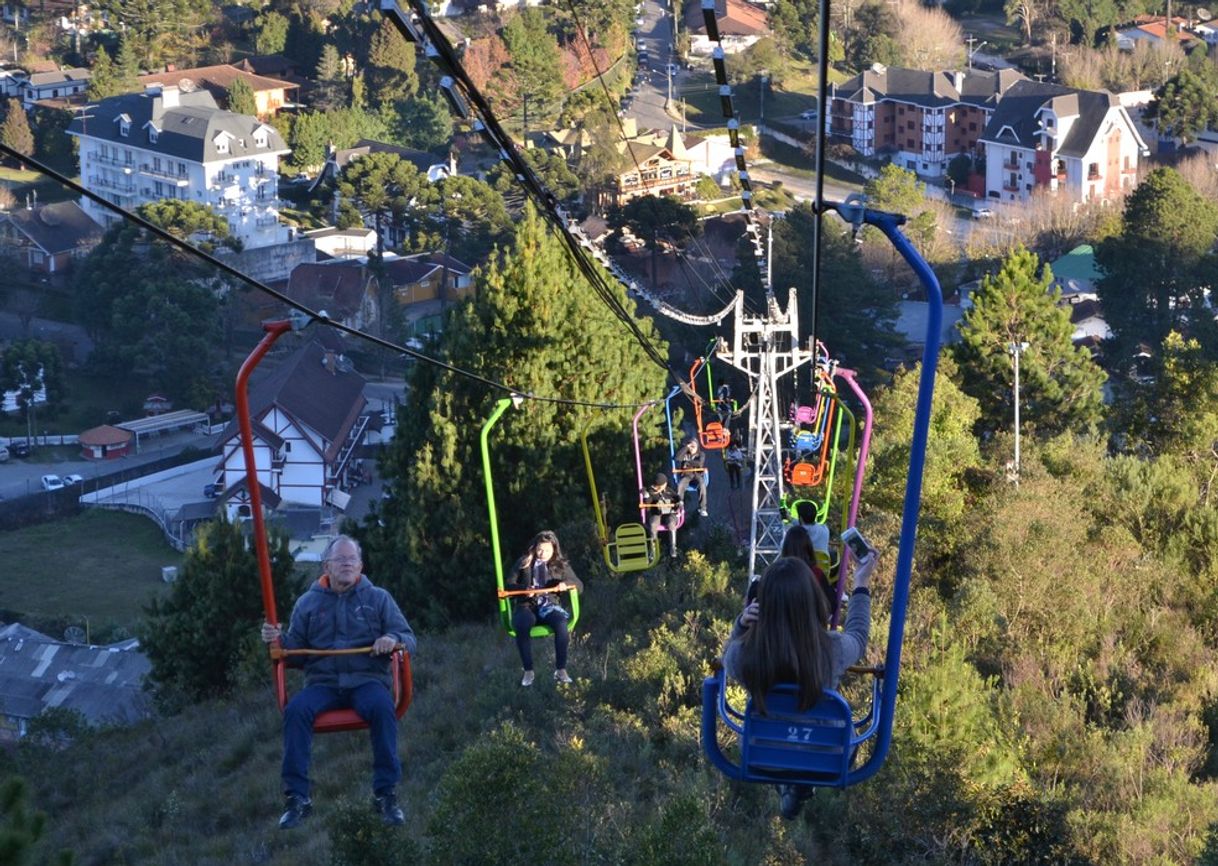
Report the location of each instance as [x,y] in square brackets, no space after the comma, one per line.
[1082,143]
[307,426]
[922,120]
[654,170]
[163,143]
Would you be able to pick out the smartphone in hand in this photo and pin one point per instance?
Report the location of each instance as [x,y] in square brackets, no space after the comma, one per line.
[860,547]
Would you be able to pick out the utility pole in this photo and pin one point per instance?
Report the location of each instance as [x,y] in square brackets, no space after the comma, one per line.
[1016,349]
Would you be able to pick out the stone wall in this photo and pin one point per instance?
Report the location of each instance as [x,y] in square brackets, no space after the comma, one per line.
[273,262]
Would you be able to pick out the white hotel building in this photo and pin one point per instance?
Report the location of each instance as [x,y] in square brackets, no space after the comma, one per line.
[164,143]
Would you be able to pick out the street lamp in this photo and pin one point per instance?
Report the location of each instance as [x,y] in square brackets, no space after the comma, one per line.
[1016,349]
[972,51]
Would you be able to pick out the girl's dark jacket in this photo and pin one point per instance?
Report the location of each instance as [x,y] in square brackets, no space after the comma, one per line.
[522,578]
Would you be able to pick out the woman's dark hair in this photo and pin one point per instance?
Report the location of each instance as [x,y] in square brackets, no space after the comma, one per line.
[544,536]
[788,643]
[798,545]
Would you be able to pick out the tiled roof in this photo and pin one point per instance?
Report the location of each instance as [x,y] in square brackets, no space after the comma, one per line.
[405,272]
[734,17]
[188,128]
[929,89]
[217,79]
[420,159]
[336,286]
[56,228]
[443,260]
[59,76]
[306,390]
[1017,119]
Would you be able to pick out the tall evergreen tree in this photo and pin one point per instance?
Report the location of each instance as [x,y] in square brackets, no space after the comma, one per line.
[241,99]
[15,131]
[102,77]
[127,66]
[1157,269]
[197,638]
[536,325]
[391,66]
[1060,385]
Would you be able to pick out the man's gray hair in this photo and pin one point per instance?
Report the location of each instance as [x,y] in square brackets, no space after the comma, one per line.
[334,542]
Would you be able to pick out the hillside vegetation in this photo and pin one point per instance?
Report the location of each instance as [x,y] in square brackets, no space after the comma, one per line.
[1056,707]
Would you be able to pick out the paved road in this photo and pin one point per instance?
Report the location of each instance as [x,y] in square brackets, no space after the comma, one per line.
[654,38]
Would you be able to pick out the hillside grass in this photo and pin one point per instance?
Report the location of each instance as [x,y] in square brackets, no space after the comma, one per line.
[105,565]
[202,787]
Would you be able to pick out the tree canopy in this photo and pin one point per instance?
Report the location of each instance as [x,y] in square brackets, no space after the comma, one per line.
[198,638]
[1060,385]
[15,130]
[535,325]
[1188,103]
[1156,268]
[241,98]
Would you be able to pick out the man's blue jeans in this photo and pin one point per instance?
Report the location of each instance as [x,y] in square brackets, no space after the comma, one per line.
[371,701]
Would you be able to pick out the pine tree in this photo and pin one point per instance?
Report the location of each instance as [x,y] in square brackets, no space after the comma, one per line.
[391,66]
[1157,269]
[15,131]
[241,98]
[272,33]
[197,639]
[1060,385]
[102,77]
[536,325]
[127,66]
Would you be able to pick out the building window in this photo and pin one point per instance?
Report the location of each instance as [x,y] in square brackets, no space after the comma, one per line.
[909,143]
[124,127]
[152,135]
[972,127]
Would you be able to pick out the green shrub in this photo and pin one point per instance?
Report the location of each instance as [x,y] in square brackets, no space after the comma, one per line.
[358,838]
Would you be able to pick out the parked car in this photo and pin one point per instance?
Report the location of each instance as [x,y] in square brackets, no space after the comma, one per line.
[72,479]
[810,114]
[983,213]
[211,491]
[52,482]
[4,455]
[19,449]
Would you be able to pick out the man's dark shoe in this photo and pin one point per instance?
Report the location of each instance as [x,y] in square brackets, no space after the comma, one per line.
[295,811]
[389,810]
[790,801]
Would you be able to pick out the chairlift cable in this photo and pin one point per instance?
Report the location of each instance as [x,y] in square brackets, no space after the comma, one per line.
[427,33]
[600,77]
[318,316]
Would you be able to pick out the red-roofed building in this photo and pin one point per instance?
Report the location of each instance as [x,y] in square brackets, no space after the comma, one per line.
[106,443]
[740,24]
[270,94]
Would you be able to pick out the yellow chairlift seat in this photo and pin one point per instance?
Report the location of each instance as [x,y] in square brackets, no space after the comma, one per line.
[631,549]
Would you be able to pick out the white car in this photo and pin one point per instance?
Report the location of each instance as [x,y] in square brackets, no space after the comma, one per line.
[983,213]
[52,482]
[810,114]
[72,479]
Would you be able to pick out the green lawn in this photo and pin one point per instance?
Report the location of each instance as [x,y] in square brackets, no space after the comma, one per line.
[797,93]
[104,565]
[12,175]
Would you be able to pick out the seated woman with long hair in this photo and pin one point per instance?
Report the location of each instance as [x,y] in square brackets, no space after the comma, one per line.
[781,638]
